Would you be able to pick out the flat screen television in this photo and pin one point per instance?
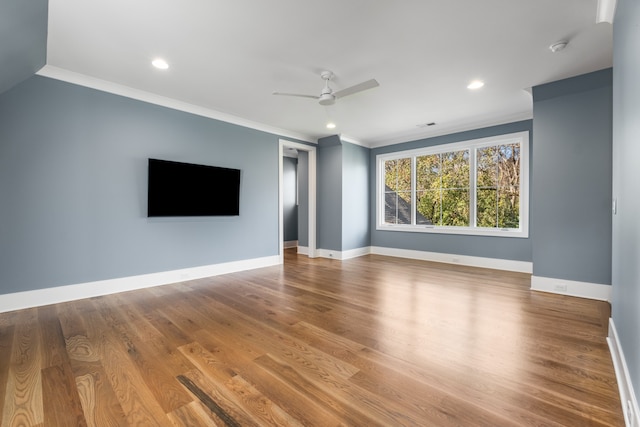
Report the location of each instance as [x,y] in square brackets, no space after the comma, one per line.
[185,189]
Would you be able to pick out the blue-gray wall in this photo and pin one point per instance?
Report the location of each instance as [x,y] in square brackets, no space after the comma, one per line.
[329,194]
[343,195]
[626,188]
[518,249]
[571,197]
[23,40]
[73,185]
[289,189]
[303,198]
[355,197]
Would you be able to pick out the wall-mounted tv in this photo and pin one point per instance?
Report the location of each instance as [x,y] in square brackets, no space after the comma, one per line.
[185,189]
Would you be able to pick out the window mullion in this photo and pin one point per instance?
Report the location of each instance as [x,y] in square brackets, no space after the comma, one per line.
[472,187]
[414,199]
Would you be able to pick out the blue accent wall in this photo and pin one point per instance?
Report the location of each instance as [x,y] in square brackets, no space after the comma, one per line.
[355,197]
[626,189]
[23,35]
[343,195]
[518,249]
[571,197]
[329,193]
[73,187]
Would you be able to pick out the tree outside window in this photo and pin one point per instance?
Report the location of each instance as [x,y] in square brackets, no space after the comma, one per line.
[478,186]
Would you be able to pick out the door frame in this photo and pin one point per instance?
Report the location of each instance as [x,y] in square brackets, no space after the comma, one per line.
[312,151]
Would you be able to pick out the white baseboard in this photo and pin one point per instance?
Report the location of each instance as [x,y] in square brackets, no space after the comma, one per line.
[570,287]
[39,297]
[328,253]
[290,244]
[627,395]
[344,255]
[355,253]
[471,261]
[303,250]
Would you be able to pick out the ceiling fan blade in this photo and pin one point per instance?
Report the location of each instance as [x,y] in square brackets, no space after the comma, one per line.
[296,94]
[369,84]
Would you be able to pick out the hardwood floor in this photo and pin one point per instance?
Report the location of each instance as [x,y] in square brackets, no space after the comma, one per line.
[364,342]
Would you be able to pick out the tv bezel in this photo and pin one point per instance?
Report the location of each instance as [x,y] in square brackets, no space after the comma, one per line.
[180,206]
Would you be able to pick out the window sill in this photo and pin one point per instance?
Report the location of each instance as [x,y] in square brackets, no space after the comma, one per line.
[493,232]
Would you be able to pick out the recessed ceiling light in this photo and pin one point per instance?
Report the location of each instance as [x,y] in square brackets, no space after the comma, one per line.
[160,63]
[476,84]
[331,125]
[558,46]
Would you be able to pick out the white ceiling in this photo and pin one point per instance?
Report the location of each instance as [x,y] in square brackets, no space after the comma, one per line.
[229,56]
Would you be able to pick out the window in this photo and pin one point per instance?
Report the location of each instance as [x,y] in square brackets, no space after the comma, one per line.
[469,187]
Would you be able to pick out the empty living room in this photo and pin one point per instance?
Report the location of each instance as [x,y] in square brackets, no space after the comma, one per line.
[338,213]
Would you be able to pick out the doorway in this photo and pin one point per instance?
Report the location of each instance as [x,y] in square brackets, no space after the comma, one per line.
[310,151]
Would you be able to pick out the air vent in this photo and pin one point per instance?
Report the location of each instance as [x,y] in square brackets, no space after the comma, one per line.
[426,125]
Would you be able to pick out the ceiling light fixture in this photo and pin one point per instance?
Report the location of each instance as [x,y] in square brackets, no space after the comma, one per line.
[606,11]
[160,64]
[331,125]
[476,84]
[558,46]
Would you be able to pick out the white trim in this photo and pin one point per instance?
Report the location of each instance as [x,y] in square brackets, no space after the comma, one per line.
[466,231]
[571,287]
[303,250]
[470,261]
[355,253]
[329,254]
[625,386]
[39,297]
[351,140]
[344,255]
[290,244]
[128,92]
[311,150]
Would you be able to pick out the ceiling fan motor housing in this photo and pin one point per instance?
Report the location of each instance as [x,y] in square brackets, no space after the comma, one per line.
[327,99]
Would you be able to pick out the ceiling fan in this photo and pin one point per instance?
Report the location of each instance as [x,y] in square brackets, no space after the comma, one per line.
[328,96]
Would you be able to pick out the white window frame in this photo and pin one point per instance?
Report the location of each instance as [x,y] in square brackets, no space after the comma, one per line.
[472,145]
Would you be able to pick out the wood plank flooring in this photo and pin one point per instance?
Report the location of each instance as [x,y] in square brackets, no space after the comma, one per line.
[372,341]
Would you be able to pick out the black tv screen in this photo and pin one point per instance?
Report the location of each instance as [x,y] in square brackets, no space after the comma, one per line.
[185,189]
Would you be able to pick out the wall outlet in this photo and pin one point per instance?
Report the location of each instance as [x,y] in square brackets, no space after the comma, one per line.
[456,260]
[560,287]
[629,415]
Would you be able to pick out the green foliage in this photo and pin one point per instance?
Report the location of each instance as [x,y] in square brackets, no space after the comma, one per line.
[498,186]
[398,177]
[443,187]
[397,180]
